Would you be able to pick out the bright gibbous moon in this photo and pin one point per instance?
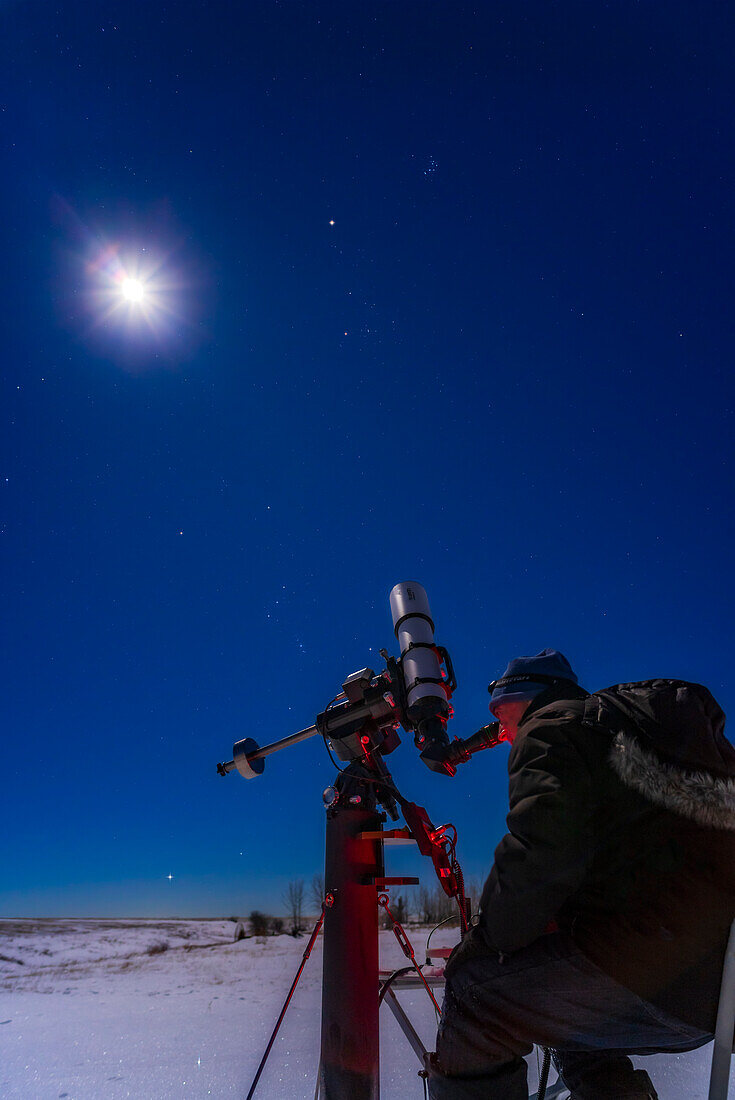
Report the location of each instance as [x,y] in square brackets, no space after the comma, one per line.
[132,290]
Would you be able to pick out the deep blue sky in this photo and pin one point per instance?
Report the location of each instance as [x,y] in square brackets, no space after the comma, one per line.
[505,372]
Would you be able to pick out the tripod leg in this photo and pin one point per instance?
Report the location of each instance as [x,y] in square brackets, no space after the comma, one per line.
[287,1002]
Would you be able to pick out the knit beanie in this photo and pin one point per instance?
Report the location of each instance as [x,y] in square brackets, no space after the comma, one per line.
[526,677]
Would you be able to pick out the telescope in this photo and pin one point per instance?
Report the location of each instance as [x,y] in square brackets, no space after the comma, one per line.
[413,692]
[360,727]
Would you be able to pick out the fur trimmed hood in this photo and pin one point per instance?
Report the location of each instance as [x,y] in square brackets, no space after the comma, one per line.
[697,795]
[669,745]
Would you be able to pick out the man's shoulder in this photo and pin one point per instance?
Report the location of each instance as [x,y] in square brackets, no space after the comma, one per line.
[565,722]
[560,712]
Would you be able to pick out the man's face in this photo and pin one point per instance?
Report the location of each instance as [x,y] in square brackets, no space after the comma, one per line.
[509,715]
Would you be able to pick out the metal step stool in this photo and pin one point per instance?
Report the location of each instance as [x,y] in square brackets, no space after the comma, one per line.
[719,1081]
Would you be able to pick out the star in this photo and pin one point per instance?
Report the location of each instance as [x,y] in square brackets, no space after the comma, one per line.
[169,877]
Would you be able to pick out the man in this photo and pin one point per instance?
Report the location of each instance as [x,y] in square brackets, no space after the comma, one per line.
[604,920]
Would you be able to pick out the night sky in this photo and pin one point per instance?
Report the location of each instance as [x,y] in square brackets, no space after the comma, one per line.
[433,292]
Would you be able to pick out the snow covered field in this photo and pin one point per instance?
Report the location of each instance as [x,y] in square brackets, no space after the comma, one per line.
[153,1010]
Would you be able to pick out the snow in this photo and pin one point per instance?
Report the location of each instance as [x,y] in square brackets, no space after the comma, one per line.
[176,1009]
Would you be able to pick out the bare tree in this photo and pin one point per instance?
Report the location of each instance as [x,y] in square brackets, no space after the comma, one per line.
[444,907]
[473,890]
[316,891]
[400,909]
[426,907]
[293,899]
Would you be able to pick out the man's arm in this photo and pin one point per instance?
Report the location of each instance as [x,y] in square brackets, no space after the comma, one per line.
[543,857]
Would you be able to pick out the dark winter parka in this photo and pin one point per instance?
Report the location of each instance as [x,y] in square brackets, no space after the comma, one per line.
[622,831]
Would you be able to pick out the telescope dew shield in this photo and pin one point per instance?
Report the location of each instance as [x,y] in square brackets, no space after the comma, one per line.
[248,769]
[414,628]
[427,692]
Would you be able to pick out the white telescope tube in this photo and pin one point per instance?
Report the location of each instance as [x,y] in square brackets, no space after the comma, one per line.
[414,628]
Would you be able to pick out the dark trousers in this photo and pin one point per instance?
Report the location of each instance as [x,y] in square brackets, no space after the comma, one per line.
[550,994]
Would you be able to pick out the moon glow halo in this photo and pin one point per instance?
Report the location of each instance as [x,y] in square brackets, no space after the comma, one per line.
[132,290]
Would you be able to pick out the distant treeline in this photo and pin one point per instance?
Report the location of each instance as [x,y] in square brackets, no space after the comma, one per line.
[419,905]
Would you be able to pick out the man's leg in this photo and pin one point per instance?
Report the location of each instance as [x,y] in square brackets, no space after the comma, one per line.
[548,993]
[474,1061]
[591,1074]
